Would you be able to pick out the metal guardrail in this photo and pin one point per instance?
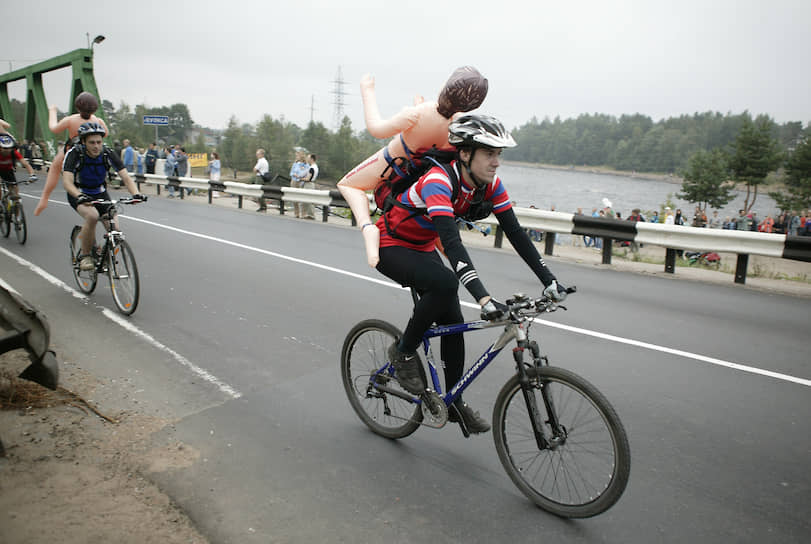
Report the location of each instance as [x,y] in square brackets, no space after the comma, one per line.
[671,237]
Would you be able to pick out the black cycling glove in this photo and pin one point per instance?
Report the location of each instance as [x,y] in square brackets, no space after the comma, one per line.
[494,310]
[83,199]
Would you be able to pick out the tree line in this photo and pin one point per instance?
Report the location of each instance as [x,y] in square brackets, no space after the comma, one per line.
[710,150]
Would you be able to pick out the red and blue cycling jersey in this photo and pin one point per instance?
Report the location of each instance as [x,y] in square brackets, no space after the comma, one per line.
[7,160]
[432,194]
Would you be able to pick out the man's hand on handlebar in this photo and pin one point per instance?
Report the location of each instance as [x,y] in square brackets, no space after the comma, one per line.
[494,310]
[139,197]
[83,199]
[556,292]
[32,178]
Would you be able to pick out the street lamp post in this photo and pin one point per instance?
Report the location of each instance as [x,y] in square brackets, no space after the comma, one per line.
[97,39]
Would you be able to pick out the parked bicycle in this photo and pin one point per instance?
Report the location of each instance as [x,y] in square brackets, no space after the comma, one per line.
[114,258]
[11,210]
[560,441]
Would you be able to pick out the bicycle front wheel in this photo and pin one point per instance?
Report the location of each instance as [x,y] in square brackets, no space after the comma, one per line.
[123,274]
[364,369]
[5,219]
[85,279]
[583,469]
[20,227]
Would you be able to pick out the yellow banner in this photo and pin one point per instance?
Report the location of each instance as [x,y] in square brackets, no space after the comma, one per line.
[198,159]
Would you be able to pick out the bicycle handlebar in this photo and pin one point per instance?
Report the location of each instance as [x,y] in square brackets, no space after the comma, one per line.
[544,304]
[123,200]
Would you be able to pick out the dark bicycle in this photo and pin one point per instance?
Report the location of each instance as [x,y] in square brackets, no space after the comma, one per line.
[12,212]
[558,438]
[114,258]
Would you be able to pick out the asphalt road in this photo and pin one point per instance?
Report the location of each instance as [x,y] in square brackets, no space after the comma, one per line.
[238,334]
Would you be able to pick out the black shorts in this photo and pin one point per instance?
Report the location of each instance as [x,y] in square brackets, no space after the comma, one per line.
[8,175]
[102,208]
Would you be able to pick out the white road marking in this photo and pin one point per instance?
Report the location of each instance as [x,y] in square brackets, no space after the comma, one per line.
[115,318]
[612,338]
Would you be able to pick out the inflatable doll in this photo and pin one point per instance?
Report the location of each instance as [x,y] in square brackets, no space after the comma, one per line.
[416,129]
[86,104]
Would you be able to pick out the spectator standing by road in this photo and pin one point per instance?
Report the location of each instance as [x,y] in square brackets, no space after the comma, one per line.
[715,220]
[793,224]
[140,156]
[298,174]
[214,169]
[669,218]
[262,170]
[678,219]
[36,156]
[170,169]
[308,210]
[699,218]
[767,225]
[151,158]
[26,149]
[636,216]
[182,164]
[742,222]
[128,157]
[654,218]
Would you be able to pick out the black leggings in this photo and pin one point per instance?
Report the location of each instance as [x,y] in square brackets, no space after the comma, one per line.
[438,303]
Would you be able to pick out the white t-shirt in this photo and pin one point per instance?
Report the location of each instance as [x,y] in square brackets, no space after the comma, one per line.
[314,170]
[261,166]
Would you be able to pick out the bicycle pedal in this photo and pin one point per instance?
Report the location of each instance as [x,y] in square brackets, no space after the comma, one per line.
[460,421]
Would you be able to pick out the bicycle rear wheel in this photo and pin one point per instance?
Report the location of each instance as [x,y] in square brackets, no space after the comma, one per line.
[20,227]
[123,273]
[364,368]
[86,280]
[585,471]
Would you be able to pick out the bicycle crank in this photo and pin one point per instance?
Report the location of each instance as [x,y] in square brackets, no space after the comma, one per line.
[434,410]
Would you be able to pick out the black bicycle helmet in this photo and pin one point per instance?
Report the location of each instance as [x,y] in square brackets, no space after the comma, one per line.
[7,142]
[477,130]
[86,129]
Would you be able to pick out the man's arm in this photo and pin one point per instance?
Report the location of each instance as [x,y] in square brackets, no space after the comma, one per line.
[524,246]
[70,187]
[27,167]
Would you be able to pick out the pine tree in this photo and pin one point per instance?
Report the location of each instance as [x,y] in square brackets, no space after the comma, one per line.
[705,180]
[755,154]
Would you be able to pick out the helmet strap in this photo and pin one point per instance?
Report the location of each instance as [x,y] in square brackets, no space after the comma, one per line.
[470,174]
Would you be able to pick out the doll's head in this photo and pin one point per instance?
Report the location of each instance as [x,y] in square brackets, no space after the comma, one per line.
[86,104]
[465,90]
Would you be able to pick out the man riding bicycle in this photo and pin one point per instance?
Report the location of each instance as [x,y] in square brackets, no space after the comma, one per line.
[8,157]
[467,187]
[84,176]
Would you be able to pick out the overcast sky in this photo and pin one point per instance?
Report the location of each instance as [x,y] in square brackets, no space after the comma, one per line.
[248,58]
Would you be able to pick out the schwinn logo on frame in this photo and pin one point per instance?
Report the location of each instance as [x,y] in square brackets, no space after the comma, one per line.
[472,372]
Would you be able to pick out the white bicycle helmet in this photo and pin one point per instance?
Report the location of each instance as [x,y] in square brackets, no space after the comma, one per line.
[7,142]
[476,130]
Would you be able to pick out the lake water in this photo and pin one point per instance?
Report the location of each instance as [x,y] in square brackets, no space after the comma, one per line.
[568,190]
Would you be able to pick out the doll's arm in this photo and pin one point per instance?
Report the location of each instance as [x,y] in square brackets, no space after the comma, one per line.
[378,127]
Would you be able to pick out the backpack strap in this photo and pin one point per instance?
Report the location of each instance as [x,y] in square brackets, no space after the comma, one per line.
[392,200]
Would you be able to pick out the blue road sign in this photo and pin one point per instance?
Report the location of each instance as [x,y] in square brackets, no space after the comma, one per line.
[156,119]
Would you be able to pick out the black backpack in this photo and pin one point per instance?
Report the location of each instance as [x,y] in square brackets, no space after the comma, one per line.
[392,186]
[105,157]
[388,192]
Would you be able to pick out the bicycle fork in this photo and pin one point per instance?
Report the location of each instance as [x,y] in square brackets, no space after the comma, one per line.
[528,391]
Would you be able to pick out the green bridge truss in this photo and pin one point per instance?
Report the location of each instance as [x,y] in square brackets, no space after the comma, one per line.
[36,107]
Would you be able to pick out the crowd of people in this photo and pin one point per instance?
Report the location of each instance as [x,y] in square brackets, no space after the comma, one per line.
[792,223]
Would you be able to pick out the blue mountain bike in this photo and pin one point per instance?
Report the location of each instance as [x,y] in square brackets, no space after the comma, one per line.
[558,438]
